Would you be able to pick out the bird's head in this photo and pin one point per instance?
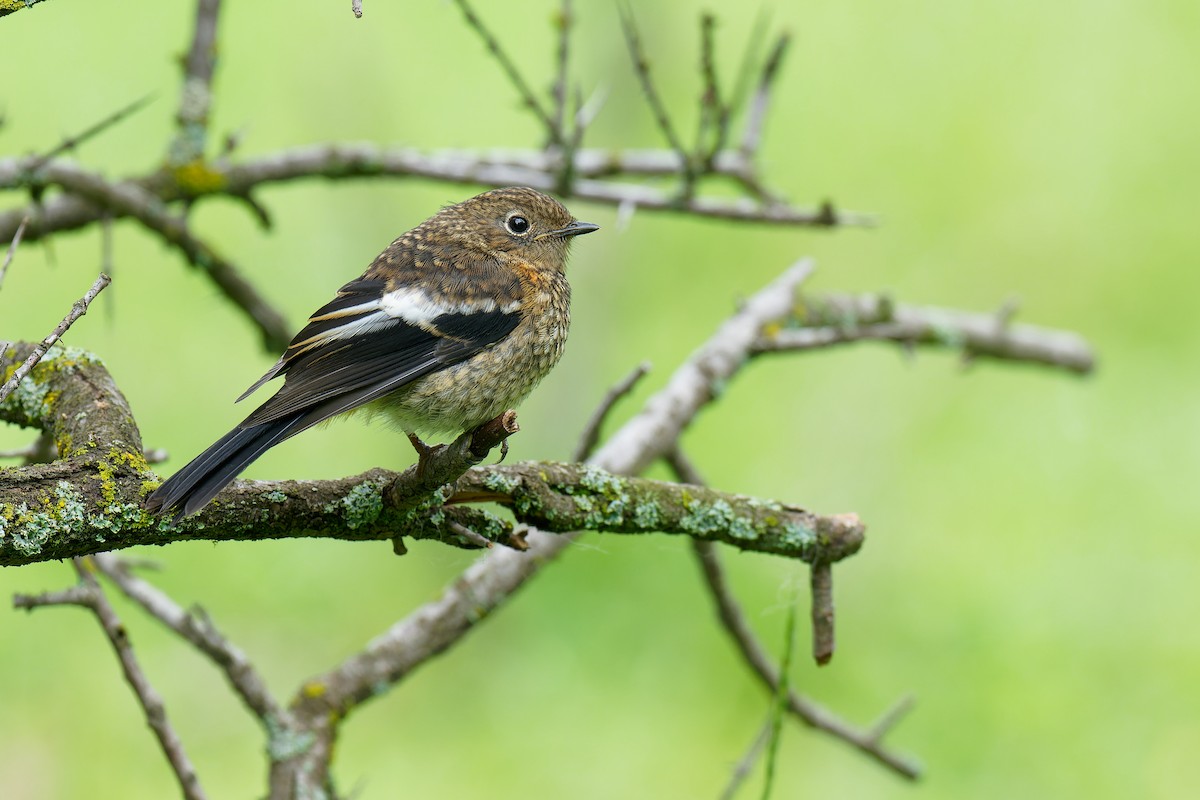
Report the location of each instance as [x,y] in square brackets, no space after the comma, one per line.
[518,221]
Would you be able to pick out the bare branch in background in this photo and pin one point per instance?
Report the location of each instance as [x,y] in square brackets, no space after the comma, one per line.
[130,199]
[829,320]
[72,142]
[195,627]
[729,613]
[553,132]
[12,249]
[88,594]
[196,95]
[591,432]
[641,67]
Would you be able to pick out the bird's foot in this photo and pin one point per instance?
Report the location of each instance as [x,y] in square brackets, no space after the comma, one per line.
[424,452]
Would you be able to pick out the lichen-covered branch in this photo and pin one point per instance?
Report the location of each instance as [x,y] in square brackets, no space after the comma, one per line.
[564,497]
[91,499]
[13,6]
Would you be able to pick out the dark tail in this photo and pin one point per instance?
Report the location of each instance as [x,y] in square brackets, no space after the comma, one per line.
[190,489]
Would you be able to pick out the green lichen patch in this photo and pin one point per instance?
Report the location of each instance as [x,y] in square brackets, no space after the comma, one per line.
[360,506]
[502,483]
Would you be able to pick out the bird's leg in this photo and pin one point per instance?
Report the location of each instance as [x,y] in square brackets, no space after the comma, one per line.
[503,451]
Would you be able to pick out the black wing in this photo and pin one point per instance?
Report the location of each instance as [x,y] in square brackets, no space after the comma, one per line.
[355,349]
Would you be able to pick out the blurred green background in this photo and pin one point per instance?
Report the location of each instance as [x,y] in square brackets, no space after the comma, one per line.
[1031,568]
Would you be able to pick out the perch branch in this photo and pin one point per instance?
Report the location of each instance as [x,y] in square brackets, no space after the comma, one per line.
[484,586]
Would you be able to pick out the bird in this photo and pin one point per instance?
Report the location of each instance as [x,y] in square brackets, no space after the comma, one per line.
[455,322]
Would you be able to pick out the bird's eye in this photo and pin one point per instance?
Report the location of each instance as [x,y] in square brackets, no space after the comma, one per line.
[517,224]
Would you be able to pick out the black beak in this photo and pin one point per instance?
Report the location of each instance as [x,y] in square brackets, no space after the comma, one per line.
[576,228]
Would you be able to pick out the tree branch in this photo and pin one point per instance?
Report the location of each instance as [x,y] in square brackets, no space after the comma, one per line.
[132,199]
[78,309]
[830,320]
[88,594]
[13,6]
[196,93]
[195,627]
[729,613]
[594,170]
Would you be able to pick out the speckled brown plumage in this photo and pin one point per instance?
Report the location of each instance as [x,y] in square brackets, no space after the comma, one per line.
[455,322]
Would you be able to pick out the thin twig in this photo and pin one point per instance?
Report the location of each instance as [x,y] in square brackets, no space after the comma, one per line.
[12,249]
[565,21]
[88,594]
[553,132]
[760,102]
[641,67]
[642,70]
[805,709]
[196,94]
[78,309]
[745,764]
[591,432]
[745,73]
[782,690]
[72,142]
[714,114]
[197,629]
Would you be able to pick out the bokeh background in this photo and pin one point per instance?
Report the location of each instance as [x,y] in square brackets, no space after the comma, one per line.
[1031,569]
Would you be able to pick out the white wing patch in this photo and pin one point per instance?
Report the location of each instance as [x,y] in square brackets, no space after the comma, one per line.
[416,307]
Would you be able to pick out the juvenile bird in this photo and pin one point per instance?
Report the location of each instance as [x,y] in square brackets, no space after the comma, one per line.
[454,323]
